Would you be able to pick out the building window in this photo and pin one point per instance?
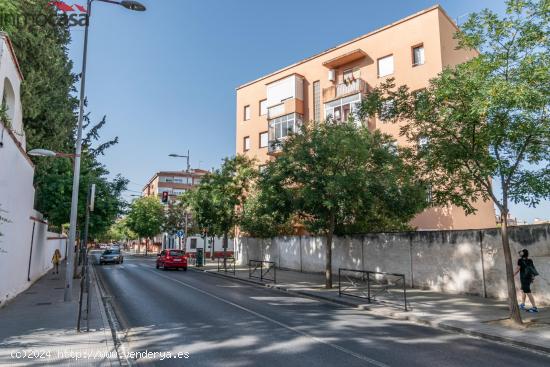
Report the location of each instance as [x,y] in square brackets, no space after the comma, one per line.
[262,168]
[247,112]
[385,66]
[283,126]
[263,140]
[387,110]
[263,107]
[246,143]
[193,243]
[317,101]
[344,108]
[418,55]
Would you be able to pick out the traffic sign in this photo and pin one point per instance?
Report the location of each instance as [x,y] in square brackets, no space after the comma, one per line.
[180,233]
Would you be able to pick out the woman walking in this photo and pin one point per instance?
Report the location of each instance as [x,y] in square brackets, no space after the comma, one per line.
[56,259]
[527,273]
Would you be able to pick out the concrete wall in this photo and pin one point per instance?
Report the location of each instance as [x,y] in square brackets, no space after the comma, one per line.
[464,262]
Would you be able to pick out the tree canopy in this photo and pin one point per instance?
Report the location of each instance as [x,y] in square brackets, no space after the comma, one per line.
[340,178]
[146,216]
[484,120]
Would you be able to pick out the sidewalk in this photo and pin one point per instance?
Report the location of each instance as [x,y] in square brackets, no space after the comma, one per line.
[476,316]
[39,323]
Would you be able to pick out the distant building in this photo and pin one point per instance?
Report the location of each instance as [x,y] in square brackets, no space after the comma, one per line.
[541,221]
[174,183]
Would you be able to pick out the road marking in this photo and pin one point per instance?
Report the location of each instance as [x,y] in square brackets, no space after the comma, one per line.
[288,327]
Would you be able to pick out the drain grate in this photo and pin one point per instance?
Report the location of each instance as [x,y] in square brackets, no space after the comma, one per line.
[43,303]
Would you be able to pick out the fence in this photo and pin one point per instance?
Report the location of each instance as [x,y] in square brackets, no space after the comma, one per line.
[265,272]
[373,285]
[227,266]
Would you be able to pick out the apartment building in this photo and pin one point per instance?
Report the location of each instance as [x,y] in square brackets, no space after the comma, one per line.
[174,183]
[331,84]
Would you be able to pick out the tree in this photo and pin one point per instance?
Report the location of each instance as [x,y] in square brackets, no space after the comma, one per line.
[118,231]
[145,218]
[54,186]
[217,204]
[337,178]
[486,119]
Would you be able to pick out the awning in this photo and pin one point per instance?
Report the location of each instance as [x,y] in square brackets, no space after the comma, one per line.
[345,59]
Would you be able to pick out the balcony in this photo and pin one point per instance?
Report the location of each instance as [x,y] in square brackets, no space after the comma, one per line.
[344,89]
[280,128]
[290,105]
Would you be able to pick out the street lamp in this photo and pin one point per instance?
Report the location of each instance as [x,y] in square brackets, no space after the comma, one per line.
[49,154]
[131,5]
[181,156]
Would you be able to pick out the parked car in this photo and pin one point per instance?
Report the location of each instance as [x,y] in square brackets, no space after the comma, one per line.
[175,259]
[111,256]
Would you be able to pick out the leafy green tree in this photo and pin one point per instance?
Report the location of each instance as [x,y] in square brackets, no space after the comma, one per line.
[118,231]
[41,40]
[174,217]
[218,202]
[145,218]
[337,178]
[54,186]
[484,120]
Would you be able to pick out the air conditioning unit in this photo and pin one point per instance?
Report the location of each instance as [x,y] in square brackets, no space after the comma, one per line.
[332,75]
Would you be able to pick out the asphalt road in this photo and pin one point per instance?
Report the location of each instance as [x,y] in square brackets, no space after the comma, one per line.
[220,322]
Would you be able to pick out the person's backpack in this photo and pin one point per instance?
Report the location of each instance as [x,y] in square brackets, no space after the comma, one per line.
[530,270]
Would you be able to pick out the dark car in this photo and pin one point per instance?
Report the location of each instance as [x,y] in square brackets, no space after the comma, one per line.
[174,259]
[111,256]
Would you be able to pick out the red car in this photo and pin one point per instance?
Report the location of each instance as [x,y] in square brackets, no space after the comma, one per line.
[174,259]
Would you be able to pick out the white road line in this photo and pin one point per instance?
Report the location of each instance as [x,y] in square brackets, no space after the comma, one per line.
[335,346]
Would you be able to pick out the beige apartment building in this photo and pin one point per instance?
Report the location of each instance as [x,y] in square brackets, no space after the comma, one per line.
[331,84]
[174,183]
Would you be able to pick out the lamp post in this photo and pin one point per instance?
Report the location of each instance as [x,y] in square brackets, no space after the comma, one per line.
[131,5]
[181,156]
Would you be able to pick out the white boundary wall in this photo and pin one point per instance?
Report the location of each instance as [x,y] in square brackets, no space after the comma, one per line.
[461,262]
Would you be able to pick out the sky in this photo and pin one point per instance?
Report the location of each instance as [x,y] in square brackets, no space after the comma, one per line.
[166,78]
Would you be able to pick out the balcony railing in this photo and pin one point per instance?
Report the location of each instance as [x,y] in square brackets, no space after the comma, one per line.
[344,89]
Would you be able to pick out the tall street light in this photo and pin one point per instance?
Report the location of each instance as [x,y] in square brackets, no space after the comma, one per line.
[131,5]
[182,156]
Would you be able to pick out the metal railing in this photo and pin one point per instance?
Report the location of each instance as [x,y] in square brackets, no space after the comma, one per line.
[375,286]
[227,266]
[263,270]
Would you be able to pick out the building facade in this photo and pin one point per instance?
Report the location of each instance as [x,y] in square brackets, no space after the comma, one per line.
[174,183]
[331,84]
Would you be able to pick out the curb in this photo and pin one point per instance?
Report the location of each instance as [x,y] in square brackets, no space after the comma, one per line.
[108,313]
[392,315]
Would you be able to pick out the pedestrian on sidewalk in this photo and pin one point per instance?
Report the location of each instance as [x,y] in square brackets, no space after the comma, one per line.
[527,273]
[56,259]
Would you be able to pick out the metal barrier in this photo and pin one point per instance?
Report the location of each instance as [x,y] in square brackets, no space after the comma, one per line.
[266,270]
[373,285]
[227,266]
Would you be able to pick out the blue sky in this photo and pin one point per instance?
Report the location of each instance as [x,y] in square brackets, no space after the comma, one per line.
[166,78]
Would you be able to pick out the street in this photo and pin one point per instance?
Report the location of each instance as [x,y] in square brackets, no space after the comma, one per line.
[221,322]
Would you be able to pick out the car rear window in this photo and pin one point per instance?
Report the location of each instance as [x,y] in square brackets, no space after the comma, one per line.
[111,252]
[176,253]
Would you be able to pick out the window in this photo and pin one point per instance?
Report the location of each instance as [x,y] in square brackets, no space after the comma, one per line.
[387,109]
[385,66]
[193,243]
[262,168]
[246,143]
[263,107]
[263,140]
[317,101]
[247,112]
[418,55]
[344,108]
[197,181]
[283,126]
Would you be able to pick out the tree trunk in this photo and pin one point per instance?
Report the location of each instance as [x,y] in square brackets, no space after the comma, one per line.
[328,253]
[512,296]
[146,245]
[225,243]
